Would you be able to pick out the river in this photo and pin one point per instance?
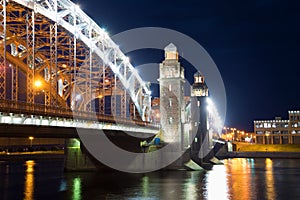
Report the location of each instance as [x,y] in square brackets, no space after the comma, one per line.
[238,178]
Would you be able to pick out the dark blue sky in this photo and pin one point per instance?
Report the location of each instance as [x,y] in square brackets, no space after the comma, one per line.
[254,43]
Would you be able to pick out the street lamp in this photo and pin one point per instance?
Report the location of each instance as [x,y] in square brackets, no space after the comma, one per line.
[30,138]
[38,83]
[267,134]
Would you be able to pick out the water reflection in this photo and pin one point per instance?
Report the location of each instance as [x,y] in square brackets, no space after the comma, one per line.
[191,187]
[29,180]
[270,192]
[236,179]
[240,178]
[76,189]
[216,184]
[145,182]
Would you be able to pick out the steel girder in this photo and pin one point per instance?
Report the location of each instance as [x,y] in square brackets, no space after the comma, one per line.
[86,33]
[3,49]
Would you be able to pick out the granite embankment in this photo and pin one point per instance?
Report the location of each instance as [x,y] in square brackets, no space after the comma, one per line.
[246,150]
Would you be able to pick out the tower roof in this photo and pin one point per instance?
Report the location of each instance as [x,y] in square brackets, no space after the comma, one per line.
[170,48]
[197,74]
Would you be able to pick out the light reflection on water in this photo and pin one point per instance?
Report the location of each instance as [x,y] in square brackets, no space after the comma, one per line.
[216,179]
[237,179]
[270,180]
[29,180]
[76,189]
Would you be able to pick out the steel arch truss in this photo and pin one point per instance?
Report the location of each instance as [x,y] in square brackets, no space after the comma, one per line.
[76,61]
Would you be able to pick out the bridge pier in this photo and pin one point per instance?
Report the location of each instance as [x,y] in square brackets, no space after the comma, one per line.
[75,158]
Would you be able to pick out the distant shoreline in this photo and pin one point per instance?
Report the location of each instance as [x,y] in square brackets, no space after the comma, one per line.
[32,155]
[269,154]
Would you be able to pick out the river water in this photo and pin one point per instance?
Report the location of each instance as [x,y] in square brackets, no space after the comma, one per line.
[238,178]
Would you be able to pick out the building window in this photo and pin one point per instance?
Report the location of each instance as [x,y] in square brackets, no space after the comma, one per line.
[170,87]
[295,125]
[170,102]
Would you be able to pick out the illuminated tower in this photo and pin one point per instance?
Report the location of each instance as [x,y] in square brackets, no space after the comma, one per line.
[172,104]
[199,88]
[199,118]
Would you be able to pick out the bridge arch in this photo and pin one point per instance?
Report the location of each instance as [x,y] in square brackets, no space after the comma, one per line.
[56,43]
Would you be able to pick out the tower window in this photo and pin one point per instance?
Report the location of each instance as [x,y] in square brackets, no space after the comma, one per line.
[170,102]
[170,87]
[170,120]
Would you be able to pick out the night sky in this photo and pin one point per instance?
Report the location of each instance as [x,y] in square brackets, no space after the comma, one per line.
[254,43]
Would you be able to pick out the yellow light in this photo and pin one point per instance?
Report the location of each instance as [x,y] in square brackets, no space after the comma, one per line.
[30,138]
[100,96]
[106,80]
[37,83]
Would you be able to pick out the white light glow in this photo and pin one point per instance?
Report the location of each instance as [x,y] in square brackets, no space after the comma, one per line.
[78,97]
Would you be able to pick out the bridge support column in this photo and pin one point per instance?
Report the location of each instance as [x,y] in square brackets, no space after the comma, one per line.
[75,159]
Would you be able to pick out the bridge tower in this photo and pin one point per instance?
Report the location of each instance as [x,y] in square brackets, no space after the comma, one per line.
[172,104]
[199,118]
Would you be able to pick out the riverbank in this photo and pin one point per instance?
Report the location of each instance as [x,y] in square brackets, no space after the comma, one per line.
[249,147]
[32,155]
[246,150]
[263,155]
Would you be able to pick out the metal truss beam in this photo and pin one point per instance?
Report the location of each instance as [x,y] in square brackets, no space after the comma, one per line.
[3,50]
[53,65]
[14,82]
[113,100]
[96,39]
[30,38]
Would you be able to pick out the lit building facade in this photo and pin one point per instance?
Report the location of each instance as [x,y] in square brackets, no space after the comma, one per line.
[278,131]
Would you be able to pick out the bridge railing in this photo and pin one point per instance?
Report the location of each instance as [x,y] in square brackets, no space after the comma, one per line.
[14,107]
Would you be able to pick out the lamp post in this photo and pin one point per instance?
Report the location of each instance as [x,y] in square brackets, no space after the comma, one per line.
[30,138]
[267,134]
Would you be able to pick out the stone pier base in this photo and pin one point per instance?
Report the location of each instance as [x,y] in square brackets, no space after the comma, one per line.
[75,158]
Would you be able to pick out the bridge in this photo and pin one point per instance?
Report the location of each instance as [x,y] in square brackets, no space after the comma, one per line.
[60,71]
[56,61]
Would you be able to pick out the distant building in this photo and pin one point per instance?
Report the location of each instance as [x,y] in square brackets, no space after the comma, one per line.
[278,131]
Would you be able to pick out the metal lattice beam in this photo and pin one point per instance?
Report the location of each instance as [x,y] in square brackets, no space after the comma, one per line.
[96,39]
[3,50]
[14,83]
[30,56]
[53,64]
